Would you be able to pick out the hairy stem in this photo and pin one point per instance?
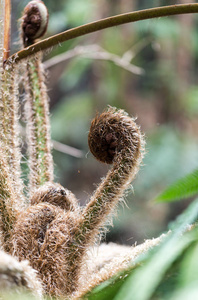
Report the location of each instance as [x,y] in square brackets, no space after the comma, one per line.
[9,130]
[8,200]
[114,138]
[38,127]
[10,183]
[103,24]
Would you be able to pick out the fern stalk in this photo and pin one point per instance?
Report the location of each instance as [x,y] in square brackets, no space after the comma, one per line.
[114,138]
[9,134]
[8,201]
[33,26]
[38,128]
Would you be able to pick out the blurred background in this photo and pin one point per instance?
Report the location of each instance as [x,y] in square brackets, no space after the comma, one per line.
[148,68]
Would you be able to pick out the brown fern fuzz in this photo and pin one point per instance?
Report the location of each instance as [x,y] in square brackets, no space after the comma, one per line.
[109,135]
[43,235]
[17,277]
[114,138]
[34,21]
[53,233]
[55,194]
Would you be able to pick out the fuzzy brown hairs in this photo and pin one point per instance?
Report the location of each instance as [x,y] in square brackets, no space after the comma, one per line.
[53,233]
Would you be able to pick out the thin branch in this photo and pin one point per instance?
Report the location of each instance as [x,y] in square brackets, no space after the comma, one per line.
[137,48]
[67,149]
[98,53]
[103,24]
[63,148]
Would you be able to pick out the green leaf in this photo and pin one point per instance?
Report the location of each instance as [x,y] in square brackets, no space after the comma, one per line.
[186,293]
[143,283]
[181,189]
[108,289]
[189,216]
[150,268]
[189,268]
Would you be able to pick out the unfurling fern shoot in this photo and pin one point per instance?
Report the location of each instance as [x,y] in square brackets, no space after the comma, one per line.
[34,22]
[34,25]
[55,239]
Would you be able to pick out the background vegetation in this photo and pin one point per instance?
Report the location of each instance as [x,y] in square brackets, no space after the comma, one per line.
[163,95]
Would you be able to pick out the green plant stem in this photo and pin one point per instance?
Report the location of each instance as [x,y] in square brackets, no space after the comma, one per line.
[103,24]
[38,128]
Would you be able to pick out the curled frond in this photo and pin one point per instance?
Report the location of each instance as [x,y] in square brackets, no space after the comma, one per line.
[29,232]
[52,233]
[34,25]
[55,194]
[34,21]
[42,235]
[113,133]
[114,138]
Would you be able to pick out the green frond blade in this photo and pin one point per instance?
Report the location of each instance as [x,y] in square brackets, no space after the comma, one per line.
[151,269]
[181,189]
[187,275]
[189,292]
[108,289]
[144,282]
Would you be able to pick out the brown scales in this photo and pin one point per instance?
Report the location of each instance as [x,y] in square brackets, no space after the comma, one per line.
[106,137]
[33,23]
[55,194]
[52,234]
[41,236]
